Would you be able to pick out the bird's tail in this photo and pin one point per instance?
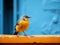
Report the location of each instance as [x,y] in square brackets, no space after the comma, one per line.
[15,33]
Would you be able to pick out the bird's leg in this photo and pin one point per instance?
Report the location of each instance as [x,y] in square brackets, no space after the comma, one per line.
[27,35]
[24,33]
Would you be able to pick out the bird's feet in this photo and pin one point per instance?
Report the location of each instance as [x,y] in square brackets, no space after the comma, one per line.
[31,36]
[16,35]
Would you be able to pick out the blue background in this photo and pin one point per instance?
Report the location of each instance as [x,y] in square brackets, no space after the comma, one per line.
[1,17]
[45,16]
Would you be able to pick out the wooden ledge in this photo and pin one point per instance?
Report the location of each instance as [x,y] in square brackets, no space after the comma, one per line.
[30,39]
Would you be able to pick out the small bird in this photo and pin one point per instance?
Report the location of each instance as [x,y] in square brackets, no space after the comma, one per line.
[22,24]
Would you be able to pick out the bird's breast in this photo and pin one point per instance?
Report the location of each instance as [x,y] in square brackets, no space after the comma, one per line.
[22,26]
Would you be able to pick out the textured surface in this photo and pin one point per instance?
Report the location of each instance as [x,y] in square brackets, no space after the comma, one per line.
[30,39]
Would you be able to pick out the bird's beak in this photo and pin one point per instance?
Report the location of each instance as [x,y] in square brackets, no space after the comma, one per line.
[29,17]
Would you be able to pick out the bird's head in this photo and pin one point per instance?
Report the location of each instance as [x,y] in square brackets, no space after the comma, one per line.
[26,17]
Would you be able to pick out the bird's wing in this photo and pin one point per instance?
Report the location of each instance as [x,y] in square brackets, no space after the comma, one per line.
[19,24]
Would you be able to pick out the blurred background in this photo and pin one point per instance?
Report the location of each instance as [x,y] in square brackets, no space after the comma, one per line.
[45,16]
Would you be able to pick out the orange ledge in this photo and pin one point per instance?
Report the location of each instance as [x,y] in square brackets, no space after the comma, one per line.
[30,39]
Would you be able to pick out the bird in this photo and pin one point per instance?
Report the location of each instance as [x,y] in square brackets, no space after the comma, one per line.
[22,24]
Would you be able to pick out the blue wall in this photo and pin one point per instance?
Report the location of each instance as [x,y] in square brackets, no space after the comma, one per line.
[1,16]
[45,16]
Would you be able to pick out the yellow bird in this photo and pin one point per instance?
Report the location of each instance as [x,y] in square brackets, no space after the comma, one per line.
[22,25]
